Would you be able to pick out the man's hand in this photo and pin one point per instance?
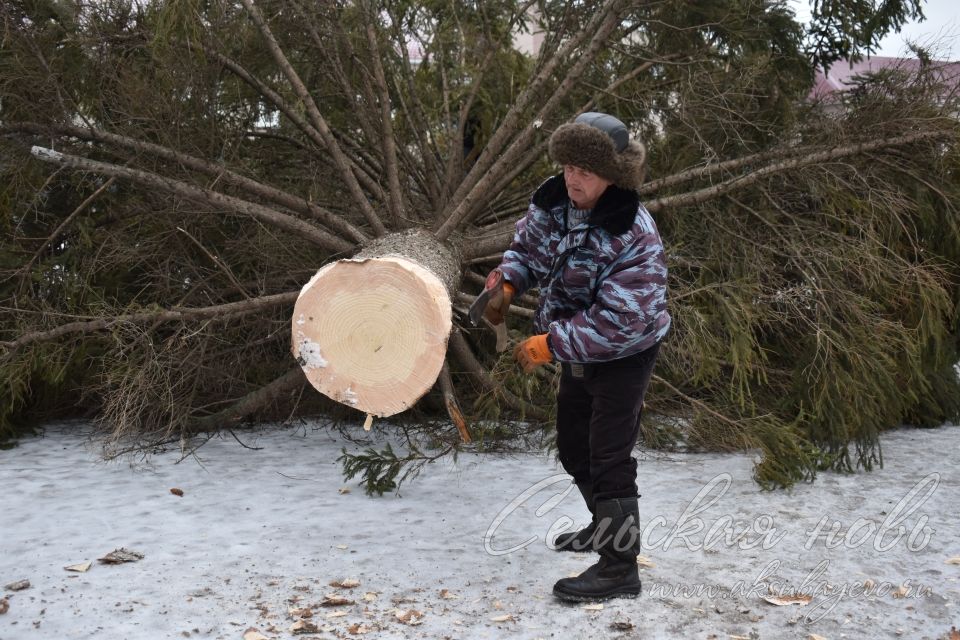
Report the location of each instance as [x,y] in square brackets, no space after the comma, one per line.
[533,352]
[499,302]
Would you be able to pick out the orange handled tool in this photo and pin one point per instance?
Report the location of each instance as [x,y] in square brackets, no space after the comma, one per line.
[491,287]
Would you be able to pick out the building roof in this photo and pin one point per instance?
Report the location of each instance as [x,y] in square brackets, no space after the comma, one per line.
[840,77]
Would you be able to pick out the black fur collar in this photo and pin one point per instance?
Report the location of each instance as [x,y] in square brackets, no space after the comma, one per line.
[615,211]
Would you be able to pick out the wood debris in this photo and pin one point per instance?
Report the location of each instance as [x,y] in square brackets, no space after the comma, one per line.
[301,612]
[334,600]
[177,492]
[254,634]
[953,560]
[645,562]
[504,618]
[121,555]
[782,601]
[4,606]
[349,583]
[411,617]
[82,567]
[303,626]
[447,595]
[593,607]
[902,592]
[359,628]
[621,625]
[19,585]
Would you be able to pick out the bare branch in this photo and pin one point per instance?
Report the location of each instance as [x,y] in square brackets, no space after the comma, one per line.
[450,401]
[464,199]
[221,173]
[339,159]
[387,138]
[697,173]
[611,89]
[601,26]
[254,401]
[63,225]
[454,168]
[415,113]
[207,196]
[219,311]
[708,193]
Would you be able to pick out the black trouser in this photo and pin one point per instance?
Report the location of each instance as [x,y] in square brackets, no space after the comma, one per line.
[598,420]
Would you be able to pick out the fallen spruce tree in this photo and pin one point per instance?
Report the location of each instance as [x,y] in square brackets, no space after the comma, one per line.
[174,173]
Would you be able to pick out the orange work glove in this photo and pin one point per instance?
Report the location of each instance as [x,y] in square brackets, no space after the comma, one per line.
[533,352]
[499,302]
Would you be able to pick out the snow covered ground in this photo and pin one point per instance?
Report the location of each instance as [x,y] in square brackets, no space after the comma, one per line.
[257,534]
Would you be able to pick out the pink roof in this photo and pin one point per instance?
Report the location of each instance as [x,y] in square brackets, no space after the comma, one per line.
[840,76]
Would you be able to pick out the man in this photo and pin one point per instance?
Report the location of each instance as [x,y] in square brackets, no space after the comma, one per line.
[595,254]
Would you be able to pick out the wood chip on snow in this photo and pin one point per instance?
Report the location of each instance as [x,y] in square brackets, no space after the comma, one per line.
[504,618]
[302,626]
[19,585]
[411,617]
[334,600]
[254,634]
[121,555]
[782,601]
[83,567]
[349,583]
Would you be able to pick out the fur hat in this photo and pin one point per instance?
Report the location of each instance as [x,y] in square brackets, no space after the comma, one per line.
[601,144]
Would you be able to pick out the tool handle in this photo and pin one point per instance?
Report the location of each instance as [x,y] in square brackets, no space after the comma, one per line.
[501,331]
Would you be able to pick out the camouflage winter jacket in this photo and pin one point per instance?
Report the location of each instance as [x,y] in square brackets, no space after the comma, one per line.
[603,283]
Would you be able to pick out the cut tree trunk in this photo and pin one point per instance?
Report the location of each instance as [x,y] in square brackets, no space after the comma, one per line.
[371,331]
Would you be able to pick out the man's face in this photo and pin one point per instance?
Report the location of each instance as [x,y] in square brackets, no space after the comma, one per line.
[584,187]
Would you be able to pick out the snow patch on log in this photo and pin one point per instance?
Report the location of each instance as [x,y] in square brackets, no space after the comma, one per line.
[309,355]
[46,154]
[350,396]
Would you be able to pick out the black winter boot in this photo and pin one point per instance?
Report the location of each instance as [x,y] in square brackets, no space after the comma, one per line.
[617,540]
[579,540]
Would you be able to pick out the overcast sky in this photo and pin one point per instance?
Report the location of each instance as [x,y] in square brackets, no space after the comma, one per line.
[940,30]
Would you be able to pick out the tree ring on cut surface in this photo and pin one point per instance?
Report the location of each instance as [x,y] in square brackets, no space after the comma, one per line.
[372,334]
